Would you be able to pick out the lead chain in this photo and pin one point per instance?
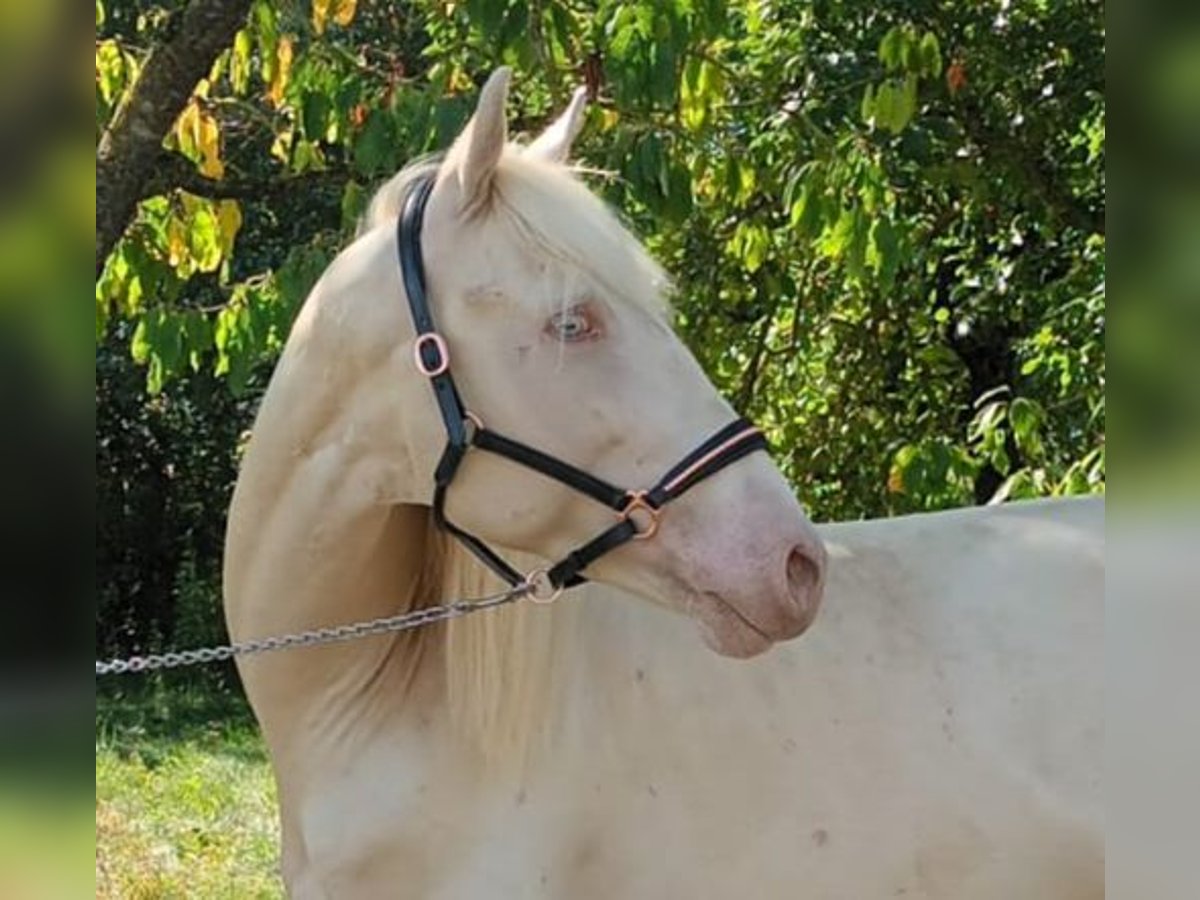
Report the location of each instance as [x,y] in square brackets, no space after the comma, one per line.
[316,637]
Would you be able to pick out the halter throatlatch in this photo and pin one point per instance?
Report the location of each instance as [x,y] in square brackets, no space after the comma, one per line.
[638,512]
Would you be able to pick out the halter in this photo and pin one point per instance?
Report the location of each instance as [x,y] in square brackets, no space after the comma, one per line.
[638,512]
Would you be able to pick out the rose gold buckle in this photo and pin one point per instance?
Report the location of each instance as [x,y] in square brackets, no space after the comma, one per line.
[540,588]
[638,502]
[474,423]
[439,343]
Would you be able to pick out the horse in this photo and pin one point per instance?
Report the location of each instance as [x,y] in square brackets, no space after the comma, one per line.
[936,733]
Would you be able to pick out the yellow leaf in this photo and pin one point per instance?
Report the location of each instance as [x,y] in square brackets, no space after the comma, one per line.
[281,148]
[229,222]
[176,242]
[343,12]
[110,70]
[320,15]
[283,70]
[460,80]
[210,148]
[185,128]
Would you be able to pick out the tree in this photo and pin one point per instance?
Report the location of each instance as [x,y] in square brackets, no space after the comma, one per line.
[132,141]
[886,223]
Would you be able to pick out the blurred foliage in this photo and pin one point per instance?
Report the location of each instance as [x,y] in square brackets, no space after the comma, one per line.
[887,225]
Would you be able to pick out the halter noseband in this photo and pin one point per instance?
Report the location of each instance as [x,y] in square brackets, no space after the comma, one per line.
[464,430]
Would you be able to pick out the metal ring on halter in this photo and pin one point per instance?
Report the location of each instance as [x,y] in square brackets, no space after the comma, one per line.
[475,422]
[638,502]
[541,589]
[443,352]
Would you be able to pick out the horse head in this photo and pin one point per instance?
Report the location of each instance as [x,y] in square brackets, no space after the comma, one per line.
[555,326]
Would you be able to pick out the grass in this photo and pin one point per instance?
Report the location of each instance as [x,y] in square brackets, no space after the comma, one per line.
[185,801]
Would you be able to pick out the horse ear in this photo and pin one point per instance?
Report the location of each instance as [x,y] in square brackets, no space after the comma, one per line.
[477,151]
[554,144]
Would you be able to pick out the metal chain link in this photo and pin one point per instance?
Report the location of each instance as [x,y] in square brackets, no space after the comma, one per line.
[315,637]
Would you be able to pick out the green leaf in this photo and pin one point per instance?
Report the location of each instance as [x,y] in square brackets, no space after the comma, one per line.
[678,205]
[867,107]
[933,474]
[167,347]
[856,250]
[375,146]
[234,341]
[204,236]
[990,417]
[650,170]
[314,116]
[883,108]
[266,27]
[354,204]
[488,16]
[296,277]
[239,62]
[197,333]
[155,376]
[930,55]
[694,90]
[891,47]
[139,344]
[663,79]
[740,180]
[750,244]
[156,343]
[449,117]
[883,252]
[998,455]
[1026,416]
[307,157]
[836,238]
[908,49]
[807,214]
[799,208]
[622,42]
[896,103]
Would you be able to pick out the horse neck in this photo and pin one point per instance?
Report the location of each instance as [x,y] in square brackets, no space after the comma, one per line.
[330,524]
[326,525]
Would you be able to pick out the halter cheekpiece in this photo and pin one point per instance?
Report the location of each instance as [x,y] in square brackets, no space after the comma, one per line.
[638,512]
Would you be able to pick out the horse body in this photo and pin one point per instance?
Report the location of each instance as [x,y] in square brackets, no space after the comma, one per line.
[937,735]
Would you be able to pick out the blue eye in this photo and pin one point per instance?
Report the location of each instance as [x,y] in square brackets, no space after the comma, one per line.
[572,325]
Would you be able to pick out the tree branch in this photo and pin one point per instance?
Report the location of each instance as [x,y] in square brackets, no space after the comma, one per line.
[172,171]
[129,147]
[750,377]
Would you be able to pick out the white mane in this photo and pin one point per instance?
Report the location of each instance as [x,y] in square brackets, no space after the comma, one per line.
[548,209]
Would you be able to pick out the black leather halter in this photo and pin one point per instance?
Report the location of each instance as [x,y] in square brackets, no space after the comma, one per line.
[464,430]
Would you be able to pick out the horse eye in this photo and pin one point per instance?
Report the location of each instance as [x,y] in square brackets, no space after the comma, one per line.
[572,325]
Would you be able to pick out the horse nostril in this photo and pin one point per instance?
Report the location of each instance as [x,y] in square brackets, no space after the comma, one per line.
[804,584]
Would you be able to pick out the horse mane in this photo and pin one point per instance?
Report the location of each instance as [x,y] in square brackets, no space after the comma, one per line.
[500,670]
[546,207]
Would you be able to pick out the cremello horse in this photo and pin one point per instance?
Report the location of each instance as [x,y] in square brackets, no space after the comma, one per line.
[938,734]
